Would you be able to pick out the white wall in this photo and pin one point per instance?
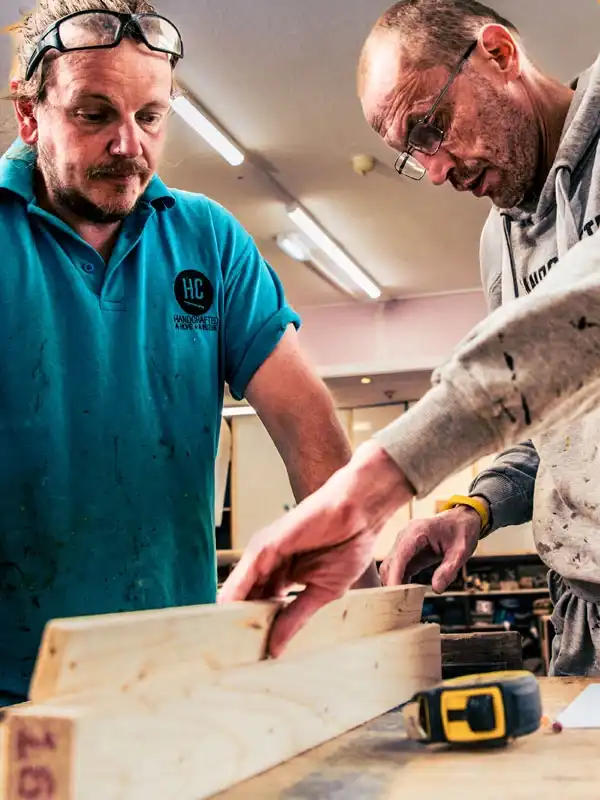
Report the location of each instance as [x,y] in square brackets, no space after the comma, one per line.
[260,488]
[222,470]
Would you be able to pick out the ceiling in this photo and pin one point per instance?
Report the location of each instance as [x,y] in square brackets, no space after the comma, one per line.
[279,77]
[355,391]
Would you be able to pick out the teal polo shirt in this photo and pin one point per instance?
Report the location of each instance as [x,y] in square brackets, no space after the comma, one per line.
[111,391]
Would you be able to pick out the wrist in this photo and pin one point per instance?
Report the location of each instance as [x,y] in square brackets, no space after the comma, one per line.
[488,509]
[474,507]
[484,501]
[376,486]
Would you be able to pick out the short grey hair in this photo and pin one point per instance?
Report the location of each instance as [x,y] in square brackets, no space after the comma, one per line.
[438,32]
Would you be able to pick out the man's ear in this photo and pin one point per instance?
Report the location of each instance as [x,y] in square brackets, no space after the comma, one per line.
[499,51]
[25,113]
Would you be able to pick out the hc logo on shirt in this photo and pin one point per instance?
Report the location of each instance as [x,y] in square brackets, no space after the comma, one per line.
[193,289]
[194,292]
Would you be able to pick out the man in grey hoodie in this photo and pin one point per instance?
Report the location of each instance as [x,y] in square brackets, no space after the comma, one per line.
[449,85]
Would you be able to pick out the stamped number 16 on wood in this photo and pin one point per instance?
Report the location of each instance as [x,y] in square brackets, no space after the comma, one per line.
[36,759]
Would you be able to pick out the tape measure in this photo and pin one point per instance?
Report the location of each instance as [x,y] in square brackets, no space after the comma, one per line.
[488,708]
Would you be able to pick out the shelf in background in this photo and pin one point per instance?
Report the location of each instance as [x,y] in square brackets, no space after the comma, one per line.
[492,627]
[520,556]
[491,593]
[226,558]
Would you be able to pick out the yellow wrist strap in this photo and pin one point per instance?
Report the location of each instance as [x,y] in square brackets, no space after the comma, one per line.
[473,502]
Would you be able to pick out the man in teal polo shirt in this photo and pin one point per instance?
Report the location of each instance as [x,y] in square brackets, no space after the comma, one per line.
[125,307]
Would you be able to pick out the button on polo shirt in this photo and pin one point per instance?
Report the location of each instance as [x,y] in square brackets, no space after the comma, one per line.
[112,388]
[93,273]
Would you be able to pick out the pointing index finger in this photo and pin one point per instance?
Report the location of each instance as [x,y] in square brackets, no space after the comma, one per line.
[408,546]
[241,580]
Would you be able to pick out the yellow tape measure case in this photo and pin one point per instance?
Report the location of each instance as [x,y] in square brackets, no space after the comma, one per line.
[491,708]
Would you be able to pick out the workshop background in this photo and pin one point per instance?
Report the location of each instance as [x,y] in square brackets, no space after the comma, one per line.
[383,271]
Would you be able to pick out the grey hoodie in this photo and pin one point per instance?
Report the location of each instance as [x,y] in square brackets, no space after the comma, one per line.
[531,370]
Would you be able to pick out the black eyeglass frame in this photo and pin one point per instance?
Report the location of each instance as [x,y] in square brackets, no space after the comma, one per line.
[50,39]
[438,135]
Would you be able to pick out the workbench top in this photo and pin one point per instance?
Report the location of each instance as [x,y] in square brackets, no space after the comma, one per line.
[377,762]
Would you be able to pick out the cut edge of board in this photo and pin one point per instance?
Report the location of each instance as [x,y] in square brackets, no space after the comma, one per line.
[38,754]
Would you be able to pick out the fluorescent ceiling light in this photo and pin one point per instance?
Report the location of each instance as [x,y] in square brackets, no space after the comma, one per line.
[238,411]
[335,253]
[209,132]
[293,246]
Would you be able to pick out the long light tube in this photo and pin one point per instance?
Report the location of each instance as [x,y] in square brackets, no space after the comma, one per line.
[209,132]
[300,218]
[238,411]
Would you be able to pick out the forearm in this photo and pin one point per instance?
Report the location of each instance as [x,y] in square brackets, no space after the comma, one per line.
[312,449]
[298,411]
[508,486]
[531,365]
[312,452]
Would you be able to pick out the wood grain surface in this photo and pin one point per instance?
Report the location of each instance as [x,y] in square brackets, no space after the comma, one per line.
[377,762]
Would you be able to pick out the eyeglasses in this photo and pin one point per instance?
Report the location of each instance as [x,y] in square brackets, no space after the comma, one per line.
[90,30]
[424,136]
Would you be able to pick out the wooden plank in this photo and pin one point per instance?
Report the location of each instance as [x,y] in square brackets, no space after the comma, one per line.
[41,752]
[184,739]
[113,651]
[363,612]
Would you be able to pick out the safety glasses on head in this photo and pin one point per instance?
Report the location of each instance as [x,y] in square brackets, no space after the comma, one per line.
[424,136]
[97,29]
